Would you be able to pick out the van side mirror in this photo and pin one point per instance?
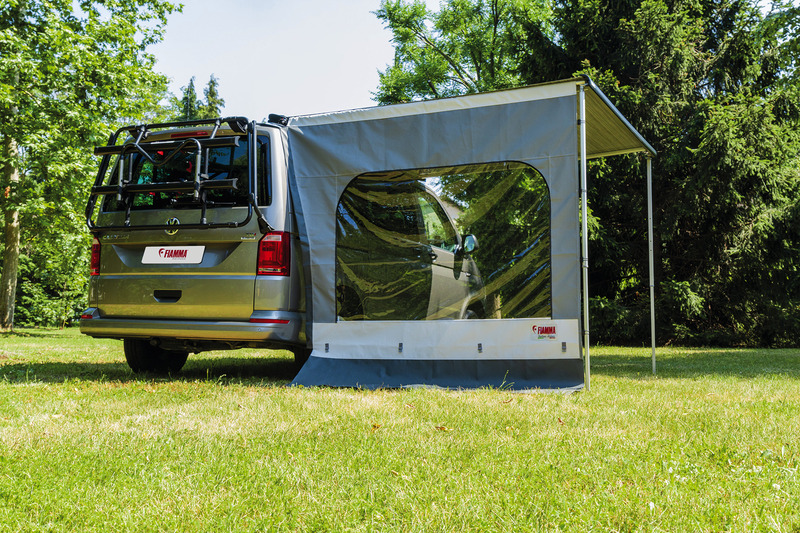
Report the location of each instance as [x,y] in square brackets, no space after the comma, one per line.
[469,244]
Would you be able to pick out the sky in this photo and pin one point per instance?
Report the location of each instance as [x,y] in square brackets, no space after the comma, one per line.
[289,57]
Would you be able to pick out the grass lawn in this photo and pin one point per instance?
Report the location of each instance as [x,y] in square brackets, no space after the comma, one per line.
[711,444]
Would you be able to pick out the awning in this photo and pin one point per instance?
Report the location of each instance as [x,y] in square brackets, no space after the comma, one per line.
[609,133]
[541,126]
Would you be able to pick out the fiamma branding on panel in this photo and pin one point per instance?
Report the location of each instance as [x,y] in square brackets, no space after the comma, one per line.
[547,331]
[161,255]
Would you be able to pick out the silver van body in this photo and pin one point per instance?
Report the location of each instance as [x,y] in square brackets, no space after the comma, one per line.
[195,243]
[400,257]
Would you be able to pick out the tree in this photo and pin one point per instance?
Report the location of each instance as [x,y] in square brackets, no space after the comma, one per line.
[714,87]
[710,84]
[189,107]
[67,72]
[468,46]
[214,103]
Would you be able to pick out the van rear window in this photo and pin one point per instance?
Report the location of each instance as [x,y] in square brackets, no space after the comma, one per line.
[222,163]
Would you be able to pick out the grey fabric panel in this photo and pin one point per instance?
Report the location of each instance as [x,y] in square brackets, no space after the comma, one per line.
[516,374]
[325,157]
[302,231]
[562,178]
[513,132]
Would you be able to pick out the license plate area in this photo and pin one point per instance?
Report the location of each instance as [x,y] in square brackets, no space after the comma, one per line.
[173,255]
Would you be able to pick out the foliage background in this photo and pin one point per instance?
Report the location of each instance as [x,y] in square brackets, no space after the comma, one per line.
[713,85]
[54,258]
[68,71]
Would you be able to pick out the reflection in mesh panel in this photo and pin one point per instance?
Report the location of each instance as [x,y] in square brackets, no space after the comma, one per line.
[406,245]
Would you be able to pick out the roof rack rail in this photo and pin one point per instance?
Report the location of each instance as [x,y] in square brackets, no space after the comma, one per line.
[237,124]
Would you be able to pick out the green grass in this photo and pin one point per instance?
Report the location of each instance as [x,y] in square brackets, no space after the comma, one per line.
[711,444]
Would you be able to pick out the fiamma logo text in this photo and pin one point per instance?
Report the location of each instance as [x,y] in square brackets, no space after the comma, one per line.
[545,332]
[167,253]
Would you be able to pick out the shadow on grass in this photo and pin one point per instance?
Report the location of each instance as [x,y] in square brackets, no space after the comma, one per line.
[36,334]
[697,362]
[222,370]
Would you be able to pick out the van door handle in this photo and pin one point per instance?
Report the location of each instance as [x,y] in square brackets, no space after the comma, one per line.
[433,255]
[167,297]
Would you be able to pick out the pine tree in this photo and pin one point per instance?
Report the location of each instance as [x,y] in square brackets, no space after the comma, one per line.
[715,89]
[189,104]
[214,103]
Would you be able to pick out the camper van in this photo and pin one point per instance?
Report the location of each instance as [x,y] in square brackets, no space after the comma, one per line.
[196,246]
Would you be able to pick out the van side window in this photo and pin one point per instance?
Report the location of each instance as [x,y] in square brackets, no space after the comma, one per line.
[438,229]
[263,175]
[398,229]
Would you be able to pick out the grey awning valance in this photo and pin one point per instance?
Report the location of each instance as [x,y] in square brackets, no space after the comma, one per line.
[608,132]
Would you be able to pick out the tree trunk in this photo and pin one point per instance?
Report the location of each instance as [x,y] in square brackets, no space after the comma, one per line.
[494,306]
[8,279]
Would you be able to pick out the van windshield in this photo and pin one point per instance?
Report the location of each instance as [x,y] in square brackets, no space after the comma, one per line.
[224,163]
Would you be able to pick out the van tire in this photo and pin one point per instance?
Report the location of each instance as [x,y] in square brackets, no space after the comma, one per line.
[301,355]
[474,312]
[144,357]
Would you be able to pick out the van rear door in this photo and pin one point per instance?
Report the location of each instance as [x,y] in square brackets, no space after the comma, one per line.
[194,274]
[180,240]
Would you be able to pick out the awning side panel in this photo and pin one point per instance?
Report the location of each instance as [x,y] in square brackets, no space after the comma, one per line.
[326,157]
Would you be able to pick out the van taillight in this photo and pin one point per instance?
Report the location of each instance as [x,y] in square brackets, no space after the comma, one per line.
[274,254]
[94,264]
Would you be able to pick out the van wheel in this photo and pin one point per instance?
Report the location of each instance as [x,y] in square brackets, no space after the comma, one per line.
[473,313]
[301,355]
[144,357]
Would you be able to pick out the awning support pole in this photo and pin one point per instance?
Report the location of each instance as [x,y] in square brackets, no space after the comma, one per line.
[652,272]
[584,236]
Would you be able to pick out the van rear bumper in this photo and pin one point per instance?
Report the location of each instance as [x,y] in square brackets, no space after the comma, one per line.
[268,327]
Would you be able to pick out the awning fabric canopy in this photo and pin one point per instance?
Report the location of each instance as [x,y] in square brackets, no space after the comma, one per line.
[609,133]
[535,125]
